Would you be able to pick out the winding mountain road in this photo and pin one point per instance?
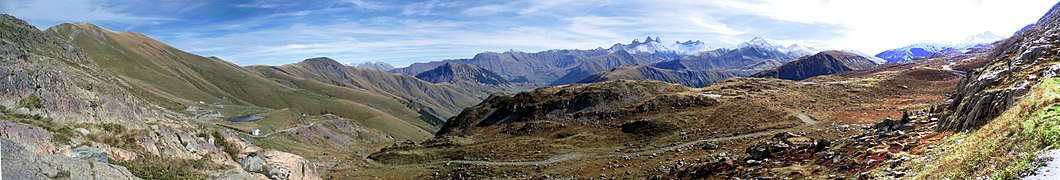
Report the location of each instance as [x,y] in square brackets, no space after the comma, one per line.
[284,130]
[809,121]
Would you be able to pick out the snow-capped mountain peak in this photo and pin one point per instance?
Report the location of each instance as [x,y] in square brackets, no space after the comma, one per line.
[756,42]
[655,45]
[983,37]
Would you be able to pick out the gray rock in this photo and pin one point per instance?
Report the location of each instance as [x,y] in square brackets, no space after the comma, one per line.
[22,110]
[253,163]
[82,131]
[191,145]
[88,153]
[710,146]
[21,163]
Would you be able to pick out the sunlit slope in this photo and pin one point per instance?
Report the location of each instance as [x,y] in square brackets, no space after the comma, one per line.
[174,78]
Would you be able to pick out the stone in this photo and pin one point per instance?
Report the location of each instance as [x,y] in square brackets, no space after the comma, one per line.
[85,152]
[822,144]
[82,131]
[253,163]
[191,145]
[907,127]
[710,146]
[758,152]
[783,135]
[885,125]
[284,165]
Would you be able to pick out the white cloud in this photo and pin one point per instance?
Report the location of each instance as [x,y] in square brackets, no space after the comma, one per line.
[367,4]
[440,29]
[873,26]
[50,12]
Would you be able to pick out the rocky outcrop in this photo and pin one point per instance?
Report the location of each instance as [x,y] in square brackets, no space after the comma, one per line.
[253,163]
[284,165]
[1018,63]
[597,103]
[22,163]
[823,63]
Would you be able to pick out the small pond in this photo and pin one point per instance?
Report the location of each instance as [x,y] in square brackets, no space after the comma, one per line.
[246,118]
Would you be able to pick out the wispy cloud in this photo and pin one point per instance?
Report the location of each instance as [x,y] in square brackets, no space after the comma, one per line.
[402,32]
[47,13]
[368,4]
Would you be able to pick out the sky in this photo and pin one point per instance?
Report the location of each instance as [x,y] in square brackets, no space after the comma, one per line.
[276,32]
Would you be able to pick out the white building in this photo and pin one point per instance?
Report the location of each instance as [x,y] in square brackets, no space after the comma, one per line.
[255,131]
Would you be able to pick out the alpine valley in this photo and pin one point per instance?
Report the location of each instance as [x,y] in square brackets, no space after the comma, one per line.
[84,102]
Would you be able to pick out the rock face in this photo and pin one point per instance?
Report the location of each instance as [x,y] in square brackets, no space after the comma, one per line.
[22,163]
[823,63]
[461,73]
[1018,63]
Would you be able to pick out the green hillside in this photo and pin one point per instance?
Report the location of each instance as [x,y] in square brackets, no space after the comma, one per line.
[174,78]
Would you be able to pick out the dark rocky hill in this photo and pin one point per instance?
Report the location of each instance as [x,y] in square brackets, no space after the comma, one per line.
[823,63]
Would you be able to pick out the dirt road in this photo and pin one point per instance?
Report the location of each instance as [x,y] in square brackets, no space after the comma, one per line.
[809,121]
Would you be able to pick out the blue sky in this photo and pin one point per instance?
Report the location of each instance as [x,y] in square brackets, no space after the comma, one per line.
[275,32]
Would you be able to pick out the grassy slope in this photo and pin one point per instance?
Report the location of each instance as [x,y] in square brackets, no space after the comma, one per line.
[445,100]
[1004,146]
[172,77]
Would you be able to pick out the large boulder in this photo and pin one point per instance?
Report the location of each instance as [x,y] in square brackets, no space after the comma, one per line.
[284,165]
[253,163]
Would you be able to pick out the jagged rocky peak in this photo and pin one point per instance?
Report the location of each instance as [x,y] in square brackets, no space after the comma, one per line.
[655,45]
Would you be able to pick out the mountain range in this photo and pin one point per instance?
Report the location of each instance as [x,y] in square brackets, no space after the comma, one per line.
[559,67]
[923,50]
[82,101]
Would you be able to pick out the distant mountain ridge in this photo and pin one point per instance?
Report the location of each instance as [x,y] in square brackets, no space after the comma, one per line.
[652,46]
[923,50]
[382,66]
[823,63]
[461,73]
[558,67]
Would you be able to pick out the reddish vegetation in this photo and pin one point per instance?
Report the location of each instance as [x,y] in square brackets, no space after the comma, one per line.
[691,139]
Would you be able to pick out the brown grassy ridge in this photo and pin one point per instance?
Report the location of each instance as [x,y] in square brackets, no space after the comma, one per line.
[170,77]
